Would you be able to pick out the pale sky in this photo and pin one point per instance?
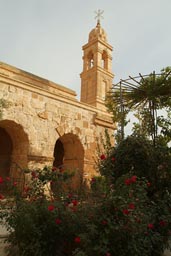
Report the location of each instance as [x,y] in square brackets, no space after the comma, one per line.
[45,37]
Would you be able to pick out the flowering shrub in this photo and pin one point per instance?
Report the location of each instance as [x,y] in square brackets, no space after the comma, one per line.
[37,222]
[121,215]
[139,156]
[126,222]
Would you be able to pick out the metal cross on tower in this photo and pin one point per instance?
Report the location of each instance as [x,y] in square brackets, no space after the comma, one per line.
[99,15]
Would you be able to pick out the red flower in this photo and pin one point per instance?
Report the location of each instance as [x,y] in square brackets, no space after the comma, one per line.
[15,184]
[102,157]
[75,202]
[1,180]
[54,169]
[77,239]
[93,180]
[69,195]
[26,189]
[58,221]
[148,184]
[125,211]
[1,197]
[104,222]
[34,175]
[113,159]
[128,181]
[162,223]
[51,207]
[133,179]
[61,169]
[150,226]
[131,206]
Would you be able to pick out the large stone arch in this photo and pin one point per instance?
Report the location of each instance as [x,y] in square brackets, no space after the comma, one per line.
[14,150]
[69,154]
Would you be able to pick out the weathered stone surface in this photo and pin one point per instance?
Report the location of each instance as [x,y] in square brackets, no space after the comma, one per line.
[42,113]
[41,129]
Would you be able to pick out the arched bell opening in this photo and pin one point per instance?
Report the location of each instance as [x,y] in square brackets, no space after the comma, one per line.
[90,60]
[104,60]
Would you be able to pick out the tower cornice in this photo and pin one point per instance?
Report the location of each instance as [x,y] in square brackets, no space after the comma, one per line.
[95,42]
[98,69]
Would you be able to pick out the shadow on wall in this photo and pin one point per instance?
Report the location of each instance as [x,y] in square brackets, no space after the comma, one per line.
[14,146]
[69,154]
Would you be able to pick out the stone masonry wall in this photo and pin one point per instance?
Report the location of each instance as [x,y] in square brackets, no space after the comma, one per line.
[37,117]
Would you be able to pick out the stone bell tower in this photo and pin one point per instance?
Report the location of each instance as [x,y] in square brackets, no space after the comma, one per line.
[97,76]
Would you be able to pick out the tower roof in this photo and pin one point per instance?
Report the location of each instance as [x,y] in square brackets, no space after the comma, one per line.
[97,33]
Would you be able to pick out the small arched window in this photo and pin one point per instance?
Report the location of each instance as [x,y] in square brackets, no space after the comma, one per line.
[104,60]
[90,60]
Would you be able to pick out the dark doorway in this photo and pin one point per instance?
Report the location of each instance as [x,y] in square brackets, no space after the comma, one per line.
[6,148]
[69,154]
[58,154]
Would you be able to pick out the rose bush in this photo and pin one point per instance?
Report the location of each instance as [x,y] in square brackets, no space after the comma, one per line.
[144,160]
[123,214]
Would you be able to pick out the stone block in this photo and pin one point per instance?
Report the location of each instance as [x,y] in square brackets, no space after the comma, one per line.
[43,115]
[34,95]
[12,89]
[85,124]
[50,107]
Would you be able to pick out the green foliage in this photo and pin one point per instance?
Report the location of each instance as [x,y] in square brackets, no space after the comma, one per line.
[40,224]
[139,156]
[133,154]
[165,125]
[125,221]
[126,210]
[145,97]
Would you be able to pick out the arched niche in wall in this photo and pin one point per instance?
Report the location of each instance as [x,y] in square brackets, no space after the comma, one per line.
[58,154]
[69,155]
[105,60]
[13,150]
